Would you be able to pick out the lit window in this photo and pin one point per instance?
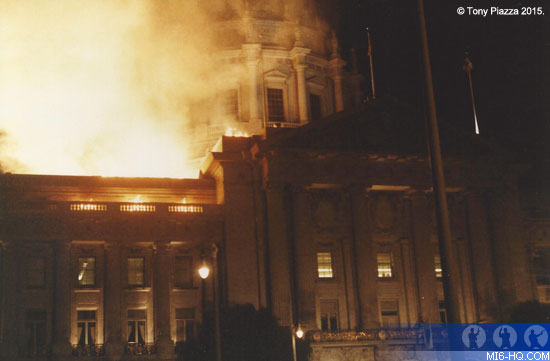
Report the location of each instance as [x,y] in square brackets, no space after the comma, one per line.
[35,325]
[324,265]
[438,268]
[275,105]
[35,272]
[184,272]
[136,326]
[329,315]
[86,271]
[185,324]
[385,268]
[86,328]
[390,313]
[136,271]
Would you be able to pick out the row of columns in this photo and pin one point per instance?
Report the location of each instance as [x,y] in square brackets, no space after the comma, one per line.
[61,316]
[481,291]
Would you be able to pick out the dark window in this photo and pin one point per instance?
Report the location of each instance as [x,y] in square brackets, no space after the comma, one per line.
[184,272]
[541,265]
[275,105]
[35,272]
[137,320]
[315,106]
[442,312]
[329,315]
[390,313]
[232,104]
[86,328]
[86,271]
[136,271]
[185,324]
[35,328]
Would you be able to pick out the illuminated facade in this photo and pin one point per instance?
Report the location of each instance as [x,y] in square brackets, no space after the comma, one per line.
[329,226]
[291,72]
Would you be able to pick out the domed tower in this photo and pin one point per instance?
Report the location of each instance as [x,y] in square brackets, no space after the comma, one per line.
[287,65]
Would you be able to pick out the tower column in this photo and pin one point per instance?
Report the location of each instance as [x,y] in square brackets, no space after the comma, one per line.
[302,92]
[252,54]
[336,76]
[164,343]
[114,345]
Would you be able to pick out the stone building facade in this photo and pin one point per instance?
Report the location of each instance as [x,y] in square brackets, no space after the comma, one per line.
[330,226]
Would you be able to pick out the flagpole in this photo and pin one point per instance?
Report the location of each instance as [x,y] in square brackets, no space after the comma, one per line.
[468,69]
[451,282]
[371,66]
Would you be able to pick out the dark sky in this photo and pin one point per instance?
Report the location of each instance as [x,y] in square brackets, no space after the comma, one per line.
[508,54]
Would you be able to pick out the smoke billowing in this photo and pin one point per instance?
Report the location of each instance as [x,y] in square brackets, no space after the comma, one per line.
[106,87]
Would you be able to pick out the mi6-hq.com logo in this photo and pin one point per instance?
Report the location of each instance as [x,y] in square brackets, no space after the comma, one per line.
[501,337]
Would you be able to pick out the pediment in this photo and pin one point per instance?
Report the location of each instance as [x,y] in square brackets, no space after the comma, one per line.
[277,74]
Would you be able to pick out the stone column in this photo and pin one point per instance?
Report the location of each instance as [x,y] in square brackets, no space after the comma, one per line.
[336,75]
[114,344]
[421,219]
[279,262]
[8,347]
[62,295]
[409,282]
[511,258]
[366,259]
[483,264]
[298,53]
[164,343]
[252,55]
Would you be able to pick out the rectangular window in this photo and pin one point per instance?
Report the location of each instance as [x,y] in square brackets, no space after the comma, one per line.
[184,272]
[232,104]
[35,272]
[442,312]
[390,313]
[385,265]
[136,271]
[35,330]
[86,271]
[275,105]
[86,328]
[324,265]
[438,268]
[137,319]
[185,324]
[315,106]
[541,266]
[329,315]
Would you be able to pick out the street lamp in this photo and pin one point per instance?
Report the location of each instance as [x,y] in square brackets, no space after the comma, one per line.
[204,272]
[296,332]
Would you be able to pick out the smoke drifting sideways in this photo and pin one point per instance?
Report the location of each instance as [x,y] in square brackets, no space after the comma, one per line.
[102,87]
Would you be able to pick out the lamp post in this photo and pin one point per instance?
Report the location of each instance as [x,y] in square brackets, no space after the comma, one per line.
[296,332]
[204,272]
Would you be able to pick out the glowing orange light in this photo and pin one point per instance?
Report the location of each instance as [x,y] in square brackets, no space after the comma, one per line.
[233,132]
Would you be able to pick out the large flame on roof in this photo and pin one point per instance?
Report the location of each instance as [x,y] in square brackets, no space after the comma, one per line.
[104,87]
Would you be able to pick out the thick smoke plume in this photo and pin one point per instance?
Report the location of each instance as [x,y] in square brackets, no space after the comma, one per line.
[105,87]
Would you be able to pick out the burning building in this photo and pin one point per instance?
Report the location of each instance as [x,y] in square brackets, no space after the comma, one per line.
[329,226]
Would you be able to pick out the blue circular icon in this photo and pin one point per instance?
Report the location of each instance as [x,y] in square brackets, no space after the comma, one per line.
[473,337]
[535,337]
[505,337]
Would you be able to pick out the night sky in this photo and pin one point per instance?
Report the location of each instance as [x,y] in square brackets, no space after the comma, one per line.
[508,54]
